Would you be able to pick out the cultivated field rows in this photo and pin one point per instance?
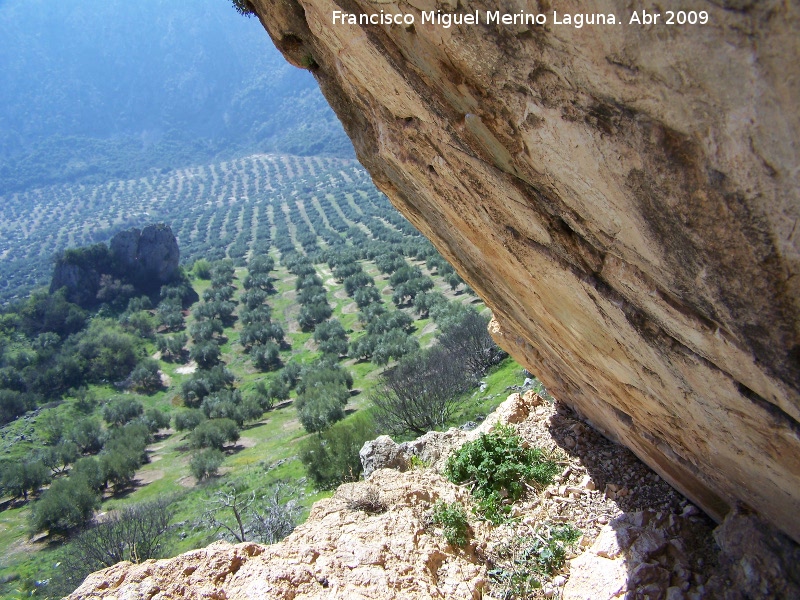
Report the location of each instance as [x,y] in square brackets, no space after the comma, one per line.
[211,209]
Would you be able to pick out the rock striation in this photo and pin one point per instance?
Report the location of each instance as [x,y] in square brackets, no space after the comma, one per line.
[625,199]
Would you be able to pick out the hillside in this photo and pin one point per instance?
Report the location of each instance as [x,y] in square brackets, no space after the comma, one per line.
[216,210]
[321,276]
[98,90]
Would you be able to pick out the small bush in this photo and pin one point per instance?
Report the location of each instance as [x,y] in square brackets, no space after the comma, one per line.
[368,500]
[146,377]
[332,457]
[318,408]
[65,505]
[266,356]
[520,563]
[134,533]
[214,433]
[243,7]
[498,466]
[202,269]
[121,411]
[453,518]
[188,418]
[205,463]
[155,419]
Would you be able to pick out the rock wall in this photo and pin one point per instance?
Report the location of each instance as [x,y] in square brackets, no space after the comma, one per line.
[624,198]
[150,255]
[146,259]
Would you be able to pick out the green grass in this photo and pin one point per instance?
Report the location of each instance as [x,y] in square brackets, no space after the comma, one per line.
[500,378]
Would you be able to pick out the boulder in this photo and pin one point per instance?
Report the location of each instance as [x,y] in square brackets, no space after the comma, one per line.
[382,453]
[151,256]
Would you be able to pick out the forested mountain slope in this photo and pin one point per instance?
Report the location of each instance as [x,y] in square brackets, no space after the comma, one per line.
[94,90]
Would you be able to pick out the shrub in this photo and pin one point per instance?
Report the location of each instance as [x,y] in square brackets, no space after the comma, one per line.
[420,393]
[205,382]
[205,354]
[18,479]
[466,336]
[260,264]
[204,464]
[275,514]
[313,313]
[188,418]
[243,7]
[331,337]
[119,467]
[290,374]
[521,561]
[131,439]
[320,407]
[206,330]
[453,519]
[12,405]
[109,352]
[202,269]
[88,436]
[120,411]
[140,322]
[395,343]
[253,298]
[322,373]
[171,346]
[266,356]
[498,466]
[146,377]
[332,457]
[221,404]
[366,296]
[214,433]
[59,457]
[135,533]
[262,396]
[89,468]
[155,419]
[65,505]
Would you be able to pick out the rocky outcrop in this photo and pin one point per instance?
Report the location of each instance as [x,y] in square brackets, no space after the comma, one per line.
[376,538]
[342,551]
[626,200]
[80,282]
[150,256]
[433,448]
[145,259]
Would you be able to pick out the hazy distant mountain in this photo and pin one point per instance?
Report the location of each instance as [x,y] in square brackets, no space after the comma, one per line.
[93,89]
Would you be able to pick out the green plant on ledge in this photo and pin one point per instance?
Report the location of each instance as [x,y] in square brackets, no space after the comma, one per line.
[453,518]
[498,466]
[244,7]
[308,62]
[519,565]
[415,462]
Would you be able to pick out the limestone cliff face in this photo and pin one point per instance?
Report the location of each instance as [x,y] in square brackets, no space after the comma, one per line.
[625,199]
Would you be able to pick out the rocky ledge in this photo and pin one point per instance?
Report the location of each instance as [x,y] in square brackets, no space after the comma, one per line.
[375,538]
